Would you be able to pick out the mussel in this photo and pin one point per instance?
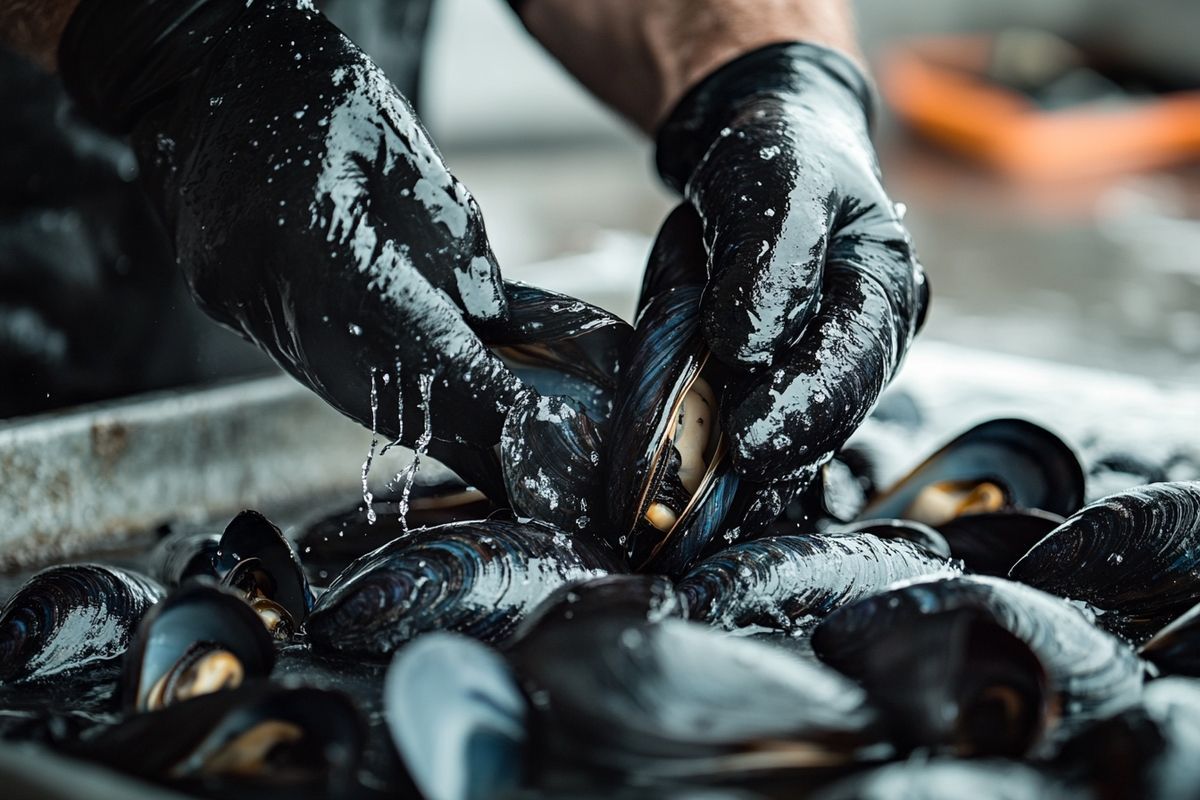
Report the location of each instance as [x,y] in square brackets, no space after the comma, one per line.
[670,482]
[1134,556]
[1150,750]
[1175,650]
[202,638]
[998,465]
[71,616]
[457,717]
[638,598]
[979,665]
[252,556]
[788,583]
[478,578]
[264,735]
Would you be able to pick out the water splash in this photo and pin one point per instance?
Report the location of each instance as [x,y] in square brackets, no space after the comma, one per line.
[368,498]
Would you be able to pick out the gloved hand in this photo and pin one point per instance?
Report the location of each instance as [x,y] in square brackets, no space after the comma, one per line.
[309,209]
[813,282]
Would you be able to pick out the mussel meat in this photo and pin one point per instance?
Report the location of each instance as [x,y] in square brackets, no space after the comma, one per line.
[788,583]
[1134,556]
[478,578]
[71,616]
[202,638]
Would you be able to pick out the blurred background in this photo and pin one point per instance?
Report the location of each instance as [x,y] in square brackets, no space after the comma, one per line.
[1046,152]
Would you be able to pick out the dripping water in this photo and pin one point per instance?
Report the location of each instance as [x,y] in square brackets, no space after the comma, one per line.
[366,467]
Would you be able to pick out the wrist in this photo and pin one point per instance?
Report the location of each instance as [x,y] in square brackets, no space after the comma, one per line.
[691,42]
[33,28]
[779,73]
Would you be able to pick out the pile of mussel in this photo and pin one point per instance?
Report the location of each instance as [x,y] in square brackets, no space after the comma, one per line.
[608,609]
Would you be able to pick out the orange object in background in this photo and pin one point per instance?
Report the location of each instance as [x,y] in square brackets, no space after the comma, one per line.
[940,87]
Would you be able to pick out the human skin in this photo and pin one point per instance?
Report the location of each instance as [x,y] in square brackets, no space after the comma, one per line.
[641,56]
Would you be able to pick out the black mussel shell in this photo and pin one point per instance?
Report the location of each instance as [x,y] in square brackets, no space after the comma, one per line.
[667,391]
[638,598]
[331,542]
[1175,650]
[457,718]
[550,451]
[259,734]
[951,779]
[183,555]
[915,532]
[1134,556]
[624,702]
[202,638]
[1088,673]
[788,583]
[990,543]
[558,345]
[71,616]
[678,257]
[1151,750]
[1000,464]
[477,578]
[258,560]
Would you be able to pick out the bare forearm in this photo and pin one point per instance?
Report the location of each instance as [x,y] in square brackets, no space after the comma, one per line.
[641,56]
[34,27]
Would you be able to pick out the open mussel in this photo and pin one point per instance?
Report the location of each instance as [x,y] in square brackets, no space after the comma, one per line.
[670,480]
[979,666]
[202,638]
[1133,556]
[478,578]
[71,616]
[788,583]
[258,734]
[1150,750]
[1001,464]
[252,556]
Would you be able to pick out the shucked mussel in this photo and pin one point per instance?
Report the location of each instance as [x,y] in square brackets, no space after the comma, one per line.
[478,578]
[71,616]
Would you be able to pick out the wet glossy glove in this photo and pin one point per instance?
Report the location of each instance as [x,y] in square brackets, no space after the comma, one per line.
[813,282]
[309,209]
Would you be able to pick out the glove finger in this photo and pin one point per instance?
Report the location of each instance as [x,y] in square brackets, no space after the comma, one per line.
[802,410]
[767,217]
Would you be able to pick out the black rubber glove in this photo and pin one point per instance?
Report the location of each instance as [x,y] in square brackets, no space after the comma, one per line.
[813,282]
[309,209]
